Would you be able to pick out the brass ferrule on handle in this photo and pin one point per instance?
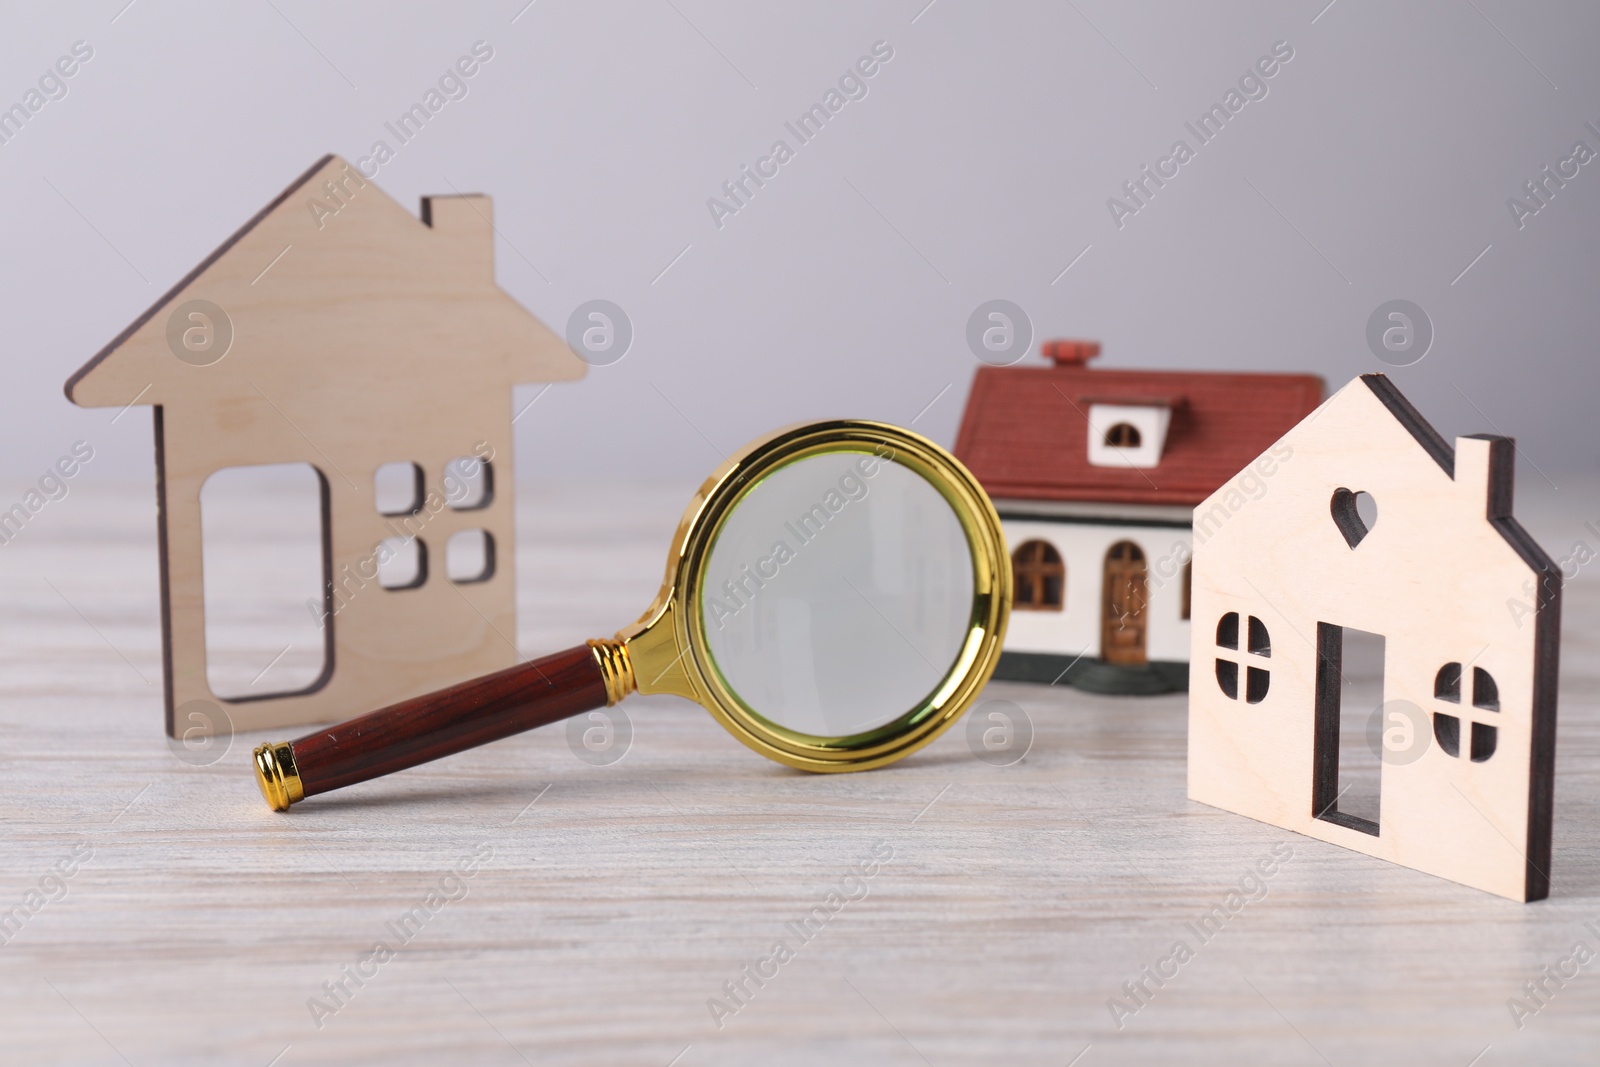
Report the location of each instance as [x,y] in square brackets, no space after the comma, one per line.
[616,667]
[277,776]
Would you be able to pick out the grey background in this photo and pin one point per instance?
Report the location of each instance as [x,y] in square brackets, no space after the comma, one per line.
[978,166]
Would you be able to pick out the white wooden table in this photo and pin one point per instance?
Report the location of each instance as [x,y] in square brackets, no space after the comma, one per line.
[616,901]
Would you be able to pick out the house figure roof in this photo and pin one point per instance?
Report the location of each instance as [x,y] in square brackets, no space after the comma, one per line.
[329,285]
[1027,431]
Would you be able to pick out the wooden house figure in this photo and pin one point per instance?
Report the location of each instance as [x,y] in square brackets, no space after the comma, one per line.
[337,330]
[1458,734]
[1095,474]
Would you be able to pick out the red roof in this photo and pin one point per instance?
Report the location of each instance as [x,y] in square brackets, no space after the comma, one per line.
[1025,432]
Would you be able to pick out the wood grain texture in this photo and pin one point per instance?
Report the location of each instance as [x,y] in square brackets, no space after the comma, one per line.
[451,720]
[618,899]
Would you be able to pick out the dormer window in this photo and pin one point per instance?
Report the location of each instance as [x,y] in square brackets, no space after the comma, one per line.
[1128,433]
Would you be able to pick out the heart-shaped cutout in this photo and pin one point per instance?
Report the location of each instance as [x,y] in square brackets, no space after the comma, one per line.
[1354,513]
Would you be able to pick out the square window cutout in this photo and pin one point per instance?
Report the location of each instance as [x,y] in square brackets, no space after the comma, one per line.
[402,562]
[469,556]
[468,483]
[397,488]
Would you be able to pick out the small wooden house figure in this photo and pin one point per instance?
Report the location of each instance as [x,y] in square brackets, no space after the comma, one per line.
[337,330]
[1446,765]
[1095,474]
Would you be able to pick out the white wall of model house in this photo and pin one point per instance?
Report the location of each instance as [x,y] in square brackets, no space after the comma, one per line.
[1083,541]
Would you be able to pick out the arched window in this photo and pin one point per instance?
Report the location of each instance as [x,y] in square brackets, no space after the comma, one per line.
[1123,435]
[1039,576]
[1447,727]
[1258,643]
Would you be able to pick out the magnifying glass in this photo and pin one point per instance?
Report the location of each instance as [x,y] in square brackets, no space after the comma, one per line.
[835,596]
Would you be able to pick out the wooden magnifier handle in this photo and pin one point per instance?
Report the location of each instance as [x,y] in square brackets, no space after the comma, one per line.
[438,724]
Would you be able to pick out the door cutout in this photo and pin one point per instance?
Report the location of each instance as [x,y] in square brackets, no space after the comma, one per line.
[265,556]
[1347,774]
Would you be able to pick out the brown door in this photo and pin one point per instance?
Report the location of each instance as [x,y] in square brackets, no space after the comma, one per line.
[1126,597]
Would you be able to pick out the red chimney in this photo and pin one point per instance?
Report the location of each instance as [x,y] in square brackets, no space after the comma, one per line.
[1070,353]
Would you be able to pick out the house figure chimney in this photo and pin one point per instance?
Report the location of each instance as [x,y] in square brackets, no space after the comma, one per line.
[1070,353]
[467,222]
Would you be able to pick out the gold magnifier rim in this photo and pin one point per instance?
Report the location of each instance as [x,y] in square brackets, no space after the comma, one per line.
[669,649]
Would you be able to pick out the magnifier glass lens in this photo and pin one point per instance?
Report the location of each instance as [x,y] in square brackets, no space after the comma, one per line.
[838,594]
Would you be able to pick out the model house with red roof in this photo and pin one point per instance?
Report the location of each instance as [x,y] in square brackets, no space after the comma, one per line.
[1096,474]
